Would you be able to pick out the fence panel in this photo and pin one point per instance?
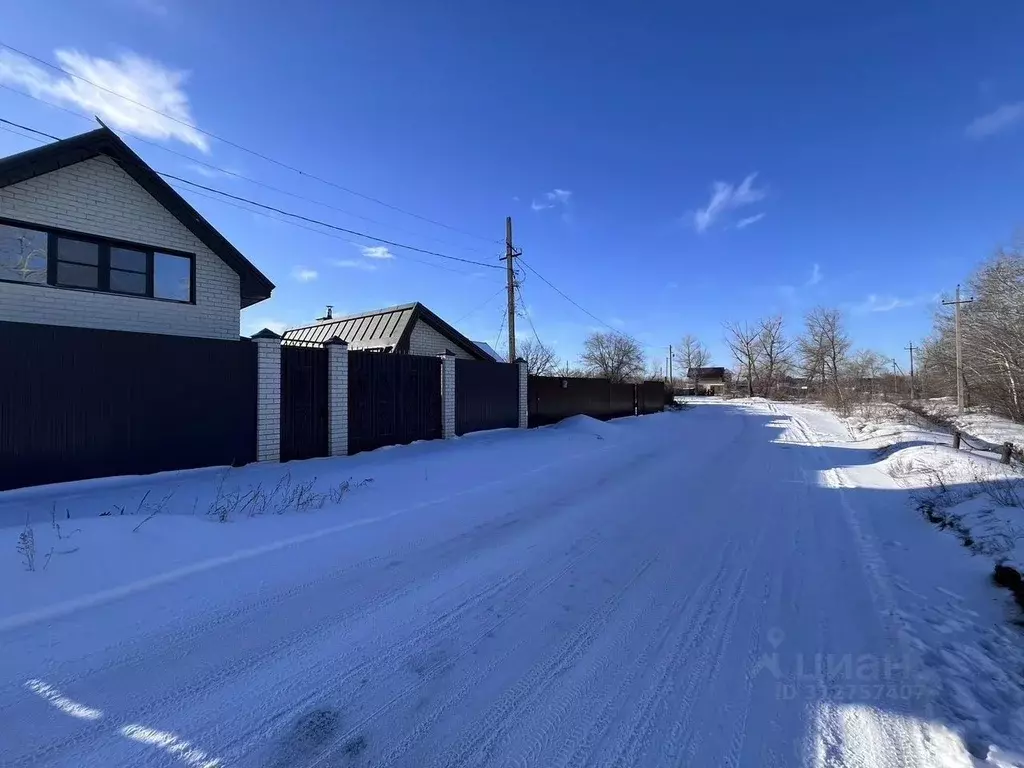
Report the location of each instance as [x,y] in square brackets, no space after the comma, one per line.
[553,398]
[393,399]
[651,397]
[486,395]
[621,400]
[79,403]
[304,403]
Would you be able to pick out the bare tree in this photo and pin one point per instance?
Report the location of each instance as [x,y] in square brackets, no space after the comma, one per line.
[692,356]
[613,355]
[826,344]
[744,343]
[865,370]
[540,358]
[992,332]
[774,353]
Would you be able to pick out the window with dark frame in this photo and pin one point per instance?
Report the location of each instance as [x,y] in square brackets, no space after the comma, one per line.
[36,255]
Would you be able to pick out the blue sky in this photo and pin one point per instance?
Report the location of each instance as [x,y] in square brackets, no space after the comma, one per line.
[668,166]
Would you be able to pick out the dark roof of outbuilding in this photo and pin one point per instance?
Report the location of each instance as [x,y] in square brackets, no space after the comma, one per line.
[386,329]
[254,285]
[706,373]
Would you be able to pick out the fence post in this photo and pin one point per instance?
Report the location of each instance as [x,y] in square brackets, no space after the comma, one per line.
[956,439]
[1005,453]
[447,395]
[268,395]
[524,389]
[337,396]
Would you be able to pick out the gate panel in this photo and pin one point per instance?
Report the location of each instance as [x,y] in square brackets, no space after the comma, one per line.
[393,399]
[304,403]
[486,395]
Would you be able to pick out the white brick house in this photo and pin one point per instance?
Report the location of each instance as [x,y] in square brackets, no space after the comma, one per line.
[406,329]
[91,236]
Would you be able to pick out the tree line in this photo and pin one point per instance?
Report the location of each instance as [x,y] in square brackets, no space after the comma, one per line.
[818,359]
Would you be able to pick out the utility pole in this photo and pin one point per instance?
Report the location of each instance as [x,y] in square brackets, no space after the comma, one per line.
[959,354]
[670,365]
[895,380]
[913,395]
[510,272]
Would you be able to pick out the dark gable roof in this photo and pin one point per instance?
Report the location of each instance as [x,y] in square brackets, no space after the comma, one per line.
[386,329]
[706,373]
[60,154]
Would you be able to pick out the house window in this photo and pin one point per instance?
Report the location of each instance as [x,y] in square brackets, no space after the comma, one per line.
[78,263]
[22,254]
[30,255]
[172,277]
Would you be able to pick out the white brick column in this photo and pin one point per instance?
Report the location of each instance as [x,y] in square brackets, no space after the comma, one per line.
[337,393]
[447,395]
[524,388]
[268,395]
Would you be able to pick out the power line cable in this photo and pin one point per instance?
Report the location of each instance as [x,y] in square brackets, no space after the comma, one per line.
[318,222]
[241,147]
[291,214]
[564,296]
[529,318]
[501,327]
[477,309]
[264,214]
[30,130]
[236,174]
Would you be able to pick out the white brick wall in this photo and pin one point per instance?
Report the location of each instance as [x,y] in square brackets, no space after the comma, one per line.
[268,399]
[97,197]
[337,403]
[447,396]
[524,403]
[424,340]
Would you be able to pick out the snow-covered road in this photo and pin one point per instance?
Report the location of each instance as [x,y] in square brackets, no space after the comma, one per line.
[708,589]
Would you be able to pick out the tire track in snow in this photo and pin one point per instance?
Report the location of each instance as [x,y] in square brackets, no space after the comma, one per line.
[586,732]
[206,684]
[433,671]
[492,731]
[637,735]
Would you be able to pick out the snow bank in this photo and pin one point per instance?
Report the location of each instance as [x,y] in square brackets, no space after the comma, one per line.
[97,540]
[967,491]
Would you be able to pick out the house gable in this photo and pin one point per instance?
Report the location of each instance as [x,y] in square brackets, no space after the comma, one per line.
[254,286]
[96,196]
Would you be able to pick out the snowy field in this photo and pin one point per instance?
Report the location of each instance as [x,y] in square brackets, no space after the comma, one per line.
[738,584]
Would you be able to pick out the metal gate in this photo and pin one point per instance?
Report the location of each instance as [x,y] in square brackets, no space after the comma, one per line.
[304,403]
[486,395]
[393,399]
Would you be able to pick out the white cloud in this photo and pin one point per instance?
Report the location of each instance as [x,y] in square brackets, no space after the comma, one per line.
[1002,119]
[376,252]
[304,275]
[556,197]
[878,303]
[726,197]
[816,276]
[143,80]
[208,172]
[366,266]
[744,223]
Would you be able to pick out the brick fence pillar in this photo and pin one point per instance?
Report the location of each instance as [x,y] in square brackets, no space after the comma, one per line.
[337,394]
[447,395]
[268,395]
[524,388]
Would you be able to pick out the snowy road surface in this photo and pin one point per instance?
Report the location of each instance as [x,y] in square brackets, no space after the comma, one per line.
[706,588]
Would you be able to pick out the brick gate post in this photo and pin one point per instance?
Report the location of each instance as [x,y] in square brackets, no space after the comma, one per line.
[268,395]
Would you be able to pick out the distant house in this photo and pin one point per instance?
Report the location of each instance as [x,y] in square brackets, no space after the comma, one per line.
[92,237]
[707,381]
[409,329]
